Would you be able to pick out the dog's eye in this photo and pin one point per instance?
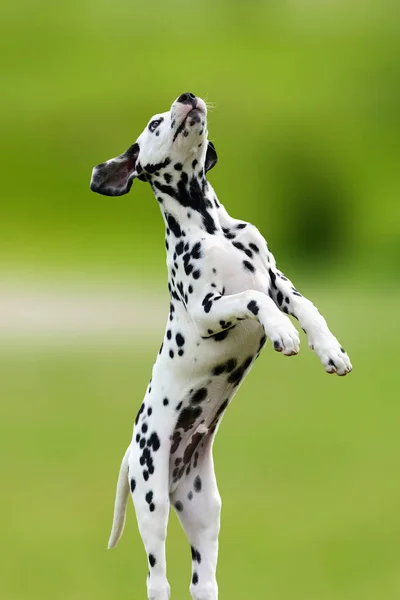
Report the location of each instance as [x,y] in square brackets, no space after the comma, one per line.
[154,124]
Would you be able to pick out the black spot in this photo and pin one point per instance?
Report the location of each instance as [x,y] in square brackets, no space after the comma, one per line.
[240,246]
[165,401]
[219,369]
[145,475]
[207,302]
[167,177]
[262,342]
[149,497]
[230,365]
[152,560]
[176,440]
[248,266]
[179,406]
[150,168]
[149,411]
[236,376]
[179,506]
[178,167]
[154,441]
[196,274]
[187,417]
[144,428]
[195,579]
[199,396]
[279,298]
[228,234]
[252,306]
[141,409]
[196,251]
[171,354]
[273,278]
[218,337]
[190,289]
[197,484]
[194,163]
[254,247]
[138,438]
[188,268]
[196,556]
[142,443]
[224,324]
[190,495]
[247,363]
[222,407]
[133,485]
[179,248]
[180,340]
[184,177]
[174,226]
[152,507]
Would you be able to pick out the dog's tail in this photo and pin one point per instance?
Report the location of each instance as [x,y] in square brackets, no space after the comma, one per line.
[121,501]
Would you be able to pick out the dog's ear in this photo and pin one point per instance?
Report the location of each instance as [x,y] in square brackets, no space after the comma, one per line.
[115,177]
[211,157]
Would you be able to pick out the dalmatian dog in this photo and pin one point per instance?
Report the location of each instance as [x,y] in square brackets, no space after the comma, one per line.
[227,298]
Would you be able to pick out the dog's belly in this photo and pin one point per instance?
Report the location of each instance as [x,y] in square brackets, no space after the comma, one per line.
[199,384]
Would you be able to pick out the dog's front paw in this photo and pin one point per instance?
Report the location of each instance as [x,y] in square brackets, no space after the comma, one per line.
[284,336]
[332,355]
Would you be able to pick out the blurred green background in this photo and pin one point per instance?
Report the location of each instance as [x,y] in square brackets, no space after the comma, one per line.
[306,124]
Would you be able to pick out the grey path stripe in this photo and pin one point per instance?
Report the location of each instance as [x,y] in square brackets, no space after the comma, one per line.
[72,309]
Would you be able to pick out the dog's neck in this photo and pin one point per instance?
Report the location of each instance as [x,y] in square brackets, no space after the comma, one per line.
[188,206]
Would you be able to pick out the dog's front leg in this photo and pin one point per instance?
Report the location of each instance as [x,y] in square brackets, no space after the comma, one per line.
[320,338]
[216,313]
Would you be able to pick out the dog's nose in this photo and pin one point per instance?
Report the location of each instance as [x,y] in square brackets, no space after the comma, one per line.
[187,98]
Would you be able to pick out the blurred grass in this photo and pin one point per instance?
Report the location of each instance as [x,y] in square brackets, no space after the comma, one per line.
[307,128]
[306,124]
[307,467]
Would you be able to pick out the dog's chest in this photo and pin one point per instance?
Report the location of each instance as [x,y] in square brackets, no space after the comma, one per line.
[200,264]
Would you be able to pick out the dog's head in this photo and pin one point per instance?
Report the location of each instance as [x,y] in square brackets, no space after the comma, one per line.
[171,142]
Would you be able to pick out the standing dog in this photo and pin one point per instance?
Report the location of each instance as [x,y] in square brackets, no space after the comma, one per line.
[227,299]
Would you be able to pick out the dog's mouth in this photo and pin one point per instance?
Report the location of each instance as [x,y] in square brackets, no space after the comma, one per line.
[196,115]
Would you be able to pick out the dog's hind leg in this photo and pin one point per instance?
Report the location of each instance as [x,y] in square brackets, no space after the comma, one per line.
[148,480]
[198,505]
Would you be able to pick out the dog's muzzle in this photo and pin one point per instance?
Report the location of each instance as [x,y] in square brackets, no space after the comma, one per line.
[185,107]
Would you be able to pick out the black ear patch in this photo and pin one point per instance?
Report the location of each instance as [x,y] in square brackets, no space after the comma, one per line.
[115,177]
[211,157]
